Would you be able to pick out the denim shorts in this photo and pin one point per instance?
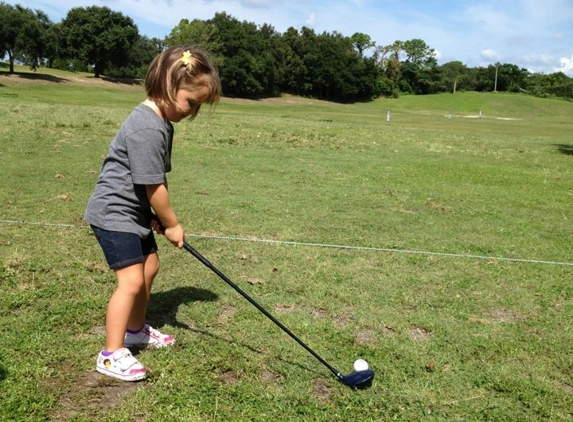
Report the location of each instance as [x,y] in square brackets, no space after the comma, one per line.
[123,249]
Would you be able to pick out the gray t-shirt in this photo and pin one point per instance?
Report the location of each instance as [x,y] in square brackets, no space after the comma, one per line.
[139,155]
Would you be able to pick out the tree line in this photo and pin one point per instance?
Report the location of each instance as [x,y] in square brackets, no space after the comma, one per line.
[256,61]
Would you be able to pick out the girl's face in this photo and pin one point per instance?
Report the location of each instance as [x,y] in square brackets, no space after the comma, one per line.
[187,103]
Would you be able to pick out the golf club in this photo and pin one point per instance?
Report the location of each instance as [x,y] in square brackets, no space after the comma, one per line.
[357,379]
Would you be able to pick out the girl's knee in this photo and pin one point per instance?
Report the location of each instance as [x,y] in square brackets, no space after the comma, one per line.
[132,286]
[131,280]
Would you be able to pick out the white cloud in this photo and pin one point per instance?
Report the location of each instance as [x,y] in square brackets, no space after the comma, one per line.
[490,54]
[311,20]
[566,66]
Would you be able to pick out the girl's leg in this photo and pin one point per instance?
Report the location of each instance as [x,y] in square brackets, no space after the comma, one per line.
[141,334]
[139,310]
[130,284]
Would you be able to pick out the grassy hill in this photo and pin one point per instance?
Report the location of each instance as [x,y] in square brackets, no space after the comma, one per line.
[436,248]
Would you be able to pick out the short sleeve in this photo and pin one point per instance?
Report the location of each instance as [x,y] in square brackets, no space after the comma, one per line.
[149,156]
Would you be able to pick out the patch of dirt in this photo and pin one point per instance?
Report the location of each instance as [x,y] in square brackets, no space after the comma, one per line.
[365,337]
[506,316]
[96,267]
[498,316]
[343,319]
[227,312]
[283,309]
[567,388]
[321,391]
[93,395]
[97,331]
[419,334]
[228,377]
[269,377]
[438,207]
[319,313]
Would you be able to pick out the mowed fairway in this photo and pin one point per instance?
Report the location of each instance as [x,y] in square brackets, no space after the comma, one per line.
[438,249]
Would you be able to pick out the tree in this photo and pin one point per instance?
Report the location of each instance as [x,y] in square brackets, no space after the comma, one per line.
[388,58]
[248,57]
[420,68]
[510,77]
[327,66]
[418,52]
[362,42]
[410,67]
[99,37]
[140,56]
[456,76]
[24,35]
[37,40]
[294,71]
[195,32]
[8,32]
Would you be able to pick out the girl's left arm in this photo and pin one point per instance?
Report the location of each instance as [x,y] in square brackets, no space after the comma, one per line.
[159,200]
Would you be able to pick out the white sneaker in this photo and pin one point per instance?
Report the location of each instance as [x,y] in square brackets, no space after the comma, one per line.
[148,336]
[121,365]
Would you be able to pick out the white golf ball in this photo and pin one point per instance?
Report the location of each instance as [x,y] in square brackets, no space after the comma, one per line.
[360,365]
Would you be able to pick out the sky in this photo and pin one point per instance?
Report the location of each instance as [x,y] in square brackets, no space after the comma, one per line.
[533,34]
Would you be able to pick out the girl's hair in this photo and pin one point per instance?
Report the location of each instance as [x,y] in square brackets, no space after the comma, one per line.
[182,66]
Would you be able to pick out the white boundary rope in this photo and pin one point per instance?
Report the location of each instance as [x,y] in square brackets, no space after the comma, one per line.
[392,250]
[332,246]
[31,223]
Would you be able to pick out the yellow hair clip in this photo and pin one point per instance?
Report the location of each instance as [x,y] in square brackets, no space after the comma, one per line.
[186,57]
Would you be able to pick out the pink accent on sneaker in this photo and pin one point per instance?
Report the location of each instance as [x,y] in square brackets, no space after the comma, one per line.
[121,365]
[148,336]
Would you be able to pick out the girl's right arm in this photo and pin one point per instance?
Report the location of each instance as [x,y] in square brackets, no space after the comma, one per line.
[159,200]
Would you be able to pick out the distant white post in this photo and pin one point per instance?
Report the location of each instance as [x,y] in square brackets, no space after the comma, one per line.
[388,116]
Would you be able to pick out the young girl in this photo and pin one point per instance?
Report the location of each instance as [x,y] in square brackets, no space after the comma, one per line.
[131,188]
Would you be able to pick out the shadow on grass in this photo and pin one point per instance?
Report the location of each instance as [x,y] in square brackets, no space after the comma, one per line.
[3,373]
[252,349]
[163,306]
[33,76]
[566,149]
[40,77]
[121,81]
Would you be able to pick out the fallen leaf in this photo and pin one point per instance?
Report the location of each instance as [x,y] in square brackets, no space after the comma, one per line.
[65,197]
[430,367]
[255,281]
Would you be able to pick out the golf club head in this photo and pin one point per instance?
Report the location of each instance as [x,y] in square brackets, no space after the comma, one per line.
[358,379]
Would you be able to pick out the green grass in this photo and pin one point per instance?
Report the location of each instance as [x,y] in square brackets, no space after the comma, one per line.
[450,336]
